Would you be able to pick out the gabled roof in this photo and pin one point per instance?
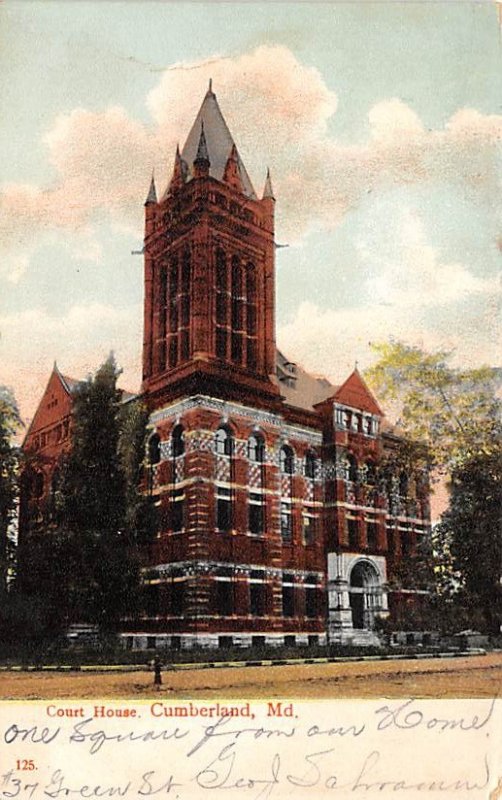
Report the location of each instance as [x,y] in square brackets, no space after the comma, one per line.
[219,143]
[355,393]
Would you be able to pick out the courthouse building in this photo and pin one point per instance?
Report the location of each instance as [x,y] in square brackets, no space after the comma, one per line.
[282,519]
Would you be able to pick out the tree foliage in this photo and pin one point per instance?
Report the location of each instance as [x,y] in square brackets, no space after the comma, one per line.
[86,569]
[9,459]
[472,528]
[454,411]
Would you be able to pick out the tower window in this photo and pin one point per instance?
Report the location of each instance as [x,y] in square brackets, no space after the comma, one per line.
[255,513]
[286,527]
[309,526]
[353,531]
[177,509]
[223,509]
[224,597]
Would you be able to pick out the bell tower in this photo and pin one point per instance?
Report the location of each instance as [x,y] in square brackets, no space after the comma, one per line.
[209,274]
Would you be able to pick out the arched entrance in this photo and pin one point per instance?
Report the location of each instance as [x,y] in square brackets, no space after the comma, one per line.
[365,593]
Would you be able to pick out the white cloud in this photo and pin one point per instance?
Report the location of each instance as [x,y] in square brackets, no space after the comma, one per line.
[80,340]
[407,271]
[103,159]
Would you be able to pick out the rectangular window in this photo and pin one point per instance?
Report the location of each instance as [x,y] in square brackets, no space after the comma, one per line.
[237,347]
[184,346]
[309,527]
[177,508]
[221,342]
[223,509]
[310,602]
[286,529]
[255,513]
[224,598]
[177,598]
[391,540]
[173,351]
[353,531]
[221,307]
[288,599]
[372,535]
[257,599]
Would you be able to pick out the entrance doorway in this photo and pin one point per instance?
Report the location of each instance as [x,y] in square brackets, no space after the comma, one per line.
[365,594]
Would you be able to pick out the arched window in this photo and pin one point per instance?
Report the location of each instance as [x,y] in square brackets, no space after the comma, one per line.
[154,449]
[310,462]
[224,442]
[256,448]
[287,460]
[178,443]
[353,472]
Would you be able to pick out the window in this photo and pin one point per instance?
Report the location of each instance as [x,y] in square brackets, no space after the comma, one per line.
[309,526]
[154,449]
[255,513]
[257,599]
[286,528]
[310,465]
[288,596]
[256,449]
[287,460]
[177,509]
[225,597]
[391,540]
[353,531]
[223,509]
[403,484]
[178,443]
[372,535]
[311,596]
[224,443]
[177,597]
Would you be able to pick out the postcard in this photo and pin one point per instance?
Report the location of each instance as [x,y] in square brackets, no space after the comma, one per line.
[249,399]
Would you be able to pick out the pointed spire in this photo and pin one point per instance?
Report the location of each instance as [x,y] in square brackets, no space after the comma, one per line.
[201,162]
[178,177]
[232,173]
[202,154]
[210,89]
[267,189]
[152,192]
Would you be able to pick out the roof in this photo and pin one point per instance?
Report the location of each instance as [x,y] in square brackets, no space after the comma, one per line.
[355,393]
[298,387]
[218,140]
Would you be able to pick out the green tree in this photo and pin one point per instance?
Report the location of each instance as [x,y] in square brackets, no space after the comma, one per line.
[456,414]
[141,514]
[96,569]
[9,461]
[472,528]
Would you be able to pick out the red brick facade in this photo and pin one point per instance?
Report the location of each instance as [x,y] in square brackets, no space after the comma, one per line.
[278,521]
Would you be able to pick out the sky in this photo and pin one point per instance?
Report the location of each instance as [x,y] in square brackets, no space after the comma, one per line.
[382,127]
